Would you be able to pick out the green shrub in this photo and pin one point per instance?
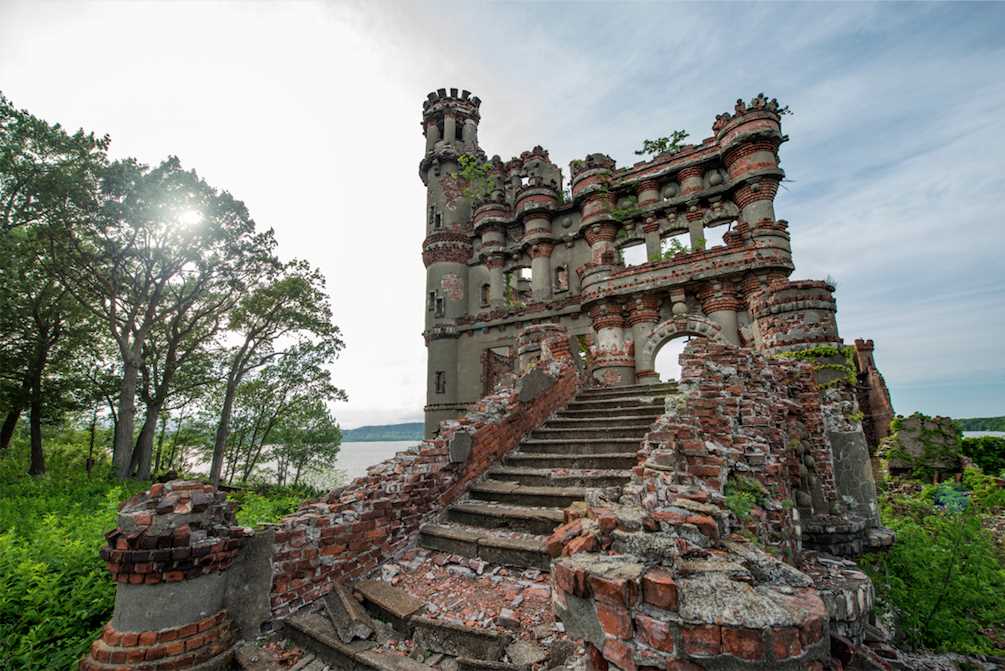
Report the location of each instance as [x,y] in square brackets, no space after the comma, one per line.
[943,578]
[988,452]
[255,508]
[55,593]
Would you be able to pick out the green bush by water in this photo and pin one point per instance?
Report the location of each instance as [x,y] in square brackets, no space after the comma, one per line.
[943,579]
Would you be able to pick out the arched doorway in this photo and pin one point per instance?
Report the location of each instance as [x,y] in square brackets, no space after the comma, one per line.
[666,363]
[672,336]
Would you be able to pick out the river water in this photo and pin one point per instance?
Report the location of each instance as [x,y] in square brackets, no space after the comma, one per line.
[353,460]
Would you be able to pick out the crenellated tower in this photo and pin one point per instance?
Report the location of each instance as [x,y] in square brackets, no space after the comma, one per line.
[450,125]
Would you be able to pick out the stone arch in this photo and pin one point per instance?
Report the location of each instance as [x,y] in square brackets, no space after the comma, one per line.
[685,325]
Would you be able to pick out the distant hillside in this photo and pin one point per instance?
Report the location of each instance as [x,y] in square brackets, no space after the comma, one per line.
[372,434]
[981,424]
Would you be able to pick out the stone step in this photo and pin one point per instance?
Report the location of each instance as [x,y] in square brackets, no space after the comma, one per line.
[550,432]
[577,421]
[498,547]
[499,516]
[581,445]
[629,390]
[561,477]
[610,460]
[612,412]
[314,633]
[625,403]
[527,495]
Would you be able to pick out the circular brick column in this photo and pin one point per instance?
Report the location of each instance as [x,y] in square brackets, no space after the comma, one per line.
[169,556]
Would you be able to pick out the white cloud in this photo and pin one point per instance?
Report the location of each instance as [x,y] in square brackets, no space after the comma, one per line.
[310,113]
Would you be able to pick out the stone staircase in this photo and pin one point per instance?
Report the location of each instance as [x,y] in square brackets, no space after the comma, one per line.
[590,444]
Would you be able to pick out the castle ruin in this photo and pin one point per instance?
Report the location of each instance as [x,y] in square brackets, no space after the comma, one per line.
[705,523]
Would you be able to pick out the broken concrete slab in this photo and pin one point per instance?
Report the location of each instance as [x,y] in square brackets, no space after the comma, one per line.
[347,615]
[390,604]
[526,653]
[458,640]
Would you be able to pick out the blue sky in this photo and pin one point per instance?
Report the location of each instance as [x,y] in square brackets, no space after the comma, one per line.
[309,112]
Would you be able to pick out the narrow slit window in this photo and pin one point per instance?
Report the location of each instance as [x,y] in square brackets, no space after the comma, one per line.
[441,382]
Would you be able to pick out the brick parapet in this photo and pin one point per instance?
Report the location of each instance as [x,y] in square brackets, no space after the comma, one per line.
[175,531]
[205,644]
[794,315]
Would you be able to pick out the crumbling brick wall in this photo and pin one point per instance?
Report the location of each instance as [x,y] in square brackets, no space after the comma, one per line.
[360,525]
[671,575]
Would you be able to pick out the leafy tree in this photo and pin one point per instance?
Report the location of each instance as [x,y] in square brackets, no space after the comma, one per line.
[44,171]
[988,452]
[309,439]
[164,248]
[48,178]
[661,145]
[289,307]
[264,403]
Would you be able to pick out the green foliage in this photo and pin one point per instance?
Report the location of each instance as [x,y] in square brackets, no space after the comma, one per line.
[475,175]
[55,593]
[743,493]
[822,357]
[670,249]
[740,504]
[988,452]
[943,578]
[628,211]
[662,145]
[254,508]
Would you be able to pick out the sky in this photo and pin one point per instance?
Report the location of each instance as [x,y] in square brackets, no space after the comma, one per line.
[309,112]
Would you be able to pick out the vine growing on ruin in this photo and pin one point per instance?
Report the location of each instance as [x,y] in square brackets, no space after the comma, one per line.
[474,174]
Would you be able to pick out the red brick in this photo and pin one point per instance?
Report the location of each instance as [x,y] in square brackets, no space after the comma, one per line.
[621,654]
[615,620]
[656,634]
[785,642]
[148,638]
[580,544]
[744,643]
[595,659]
[659,589]
[129,639]
[669,517]
[811,631]
[682,665]
[617,591]
[705,524]
[701,639]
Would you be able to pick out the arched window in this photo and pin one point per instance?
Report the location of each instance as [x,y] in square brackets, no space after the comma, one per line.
[485,294]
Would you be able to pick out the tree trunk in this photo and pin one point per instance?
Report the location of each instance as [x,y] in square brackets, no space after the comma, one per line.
[145,442]
[90,447]
[160,443]
[37,466]
[7,430]
[223,430]
[123,452]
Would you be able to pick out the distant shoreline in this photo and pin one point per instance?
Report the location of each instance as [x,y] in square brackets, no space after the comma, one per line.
[384,433]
